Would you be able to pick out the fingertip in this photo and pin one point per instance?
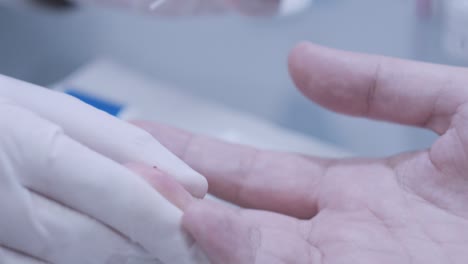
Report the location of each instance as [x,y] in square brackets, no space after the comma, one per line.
[309,69]
[298,50]
[332,78]
[302,46]
[198,185]
[296,62]
[195,183]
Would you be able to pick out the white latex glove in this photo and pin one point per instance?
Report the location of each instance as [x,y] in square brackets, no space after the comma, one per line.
[66,198]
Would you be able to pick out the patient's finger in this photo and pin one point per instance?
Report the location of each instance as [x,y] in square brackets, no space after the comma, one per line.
[164,184]
[405,92]
[268,180]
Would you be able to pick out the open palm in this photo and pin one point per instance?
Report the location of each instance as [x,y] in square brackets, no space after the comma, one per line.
[410,208]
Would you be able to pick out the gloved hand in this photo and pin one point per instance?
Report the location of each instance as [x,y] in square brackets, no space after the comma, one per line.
[65,196]
[191,7]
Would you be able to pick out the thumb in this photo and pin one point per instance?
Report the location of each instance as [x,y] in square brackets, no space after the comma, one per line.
[221,233]
[406,92]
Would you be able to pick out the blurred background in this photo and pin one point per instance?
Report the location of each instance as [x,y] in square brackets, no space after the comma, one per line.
[240,62]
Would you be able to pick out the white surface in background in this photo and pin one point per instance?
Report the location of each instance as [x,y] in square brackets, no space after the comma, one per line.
[291,7]
[149,100]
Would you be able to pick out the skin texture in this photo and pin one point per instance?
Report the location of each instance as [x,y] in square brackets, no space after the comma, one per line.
[409,208]
[166,185]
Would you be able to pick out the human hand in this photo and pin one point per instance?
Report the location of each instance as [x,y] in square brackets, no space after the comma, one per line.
[409,208]
[65,194]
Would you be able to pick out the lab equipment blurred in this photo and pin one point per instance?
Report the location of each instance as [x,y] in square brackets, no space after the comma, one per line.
[181,7]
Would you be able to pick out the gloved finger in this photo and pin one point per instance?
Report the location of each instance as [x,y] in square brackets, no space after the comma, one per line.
[164,184]
[101,132]
[8,256]
[40,228]
[247,176]
[412,93]
[50,163]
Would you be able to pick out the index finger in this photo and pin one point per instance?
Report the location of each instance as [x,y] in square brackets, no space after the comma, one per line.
[250,177]
[406,92]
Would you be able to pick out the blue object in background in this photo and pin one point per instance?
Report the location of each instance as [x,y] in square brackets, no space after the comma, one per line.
[99,103]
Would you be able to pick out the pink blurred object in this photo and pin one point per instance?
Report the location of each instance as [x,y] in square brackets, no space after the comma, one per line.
[424,8]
